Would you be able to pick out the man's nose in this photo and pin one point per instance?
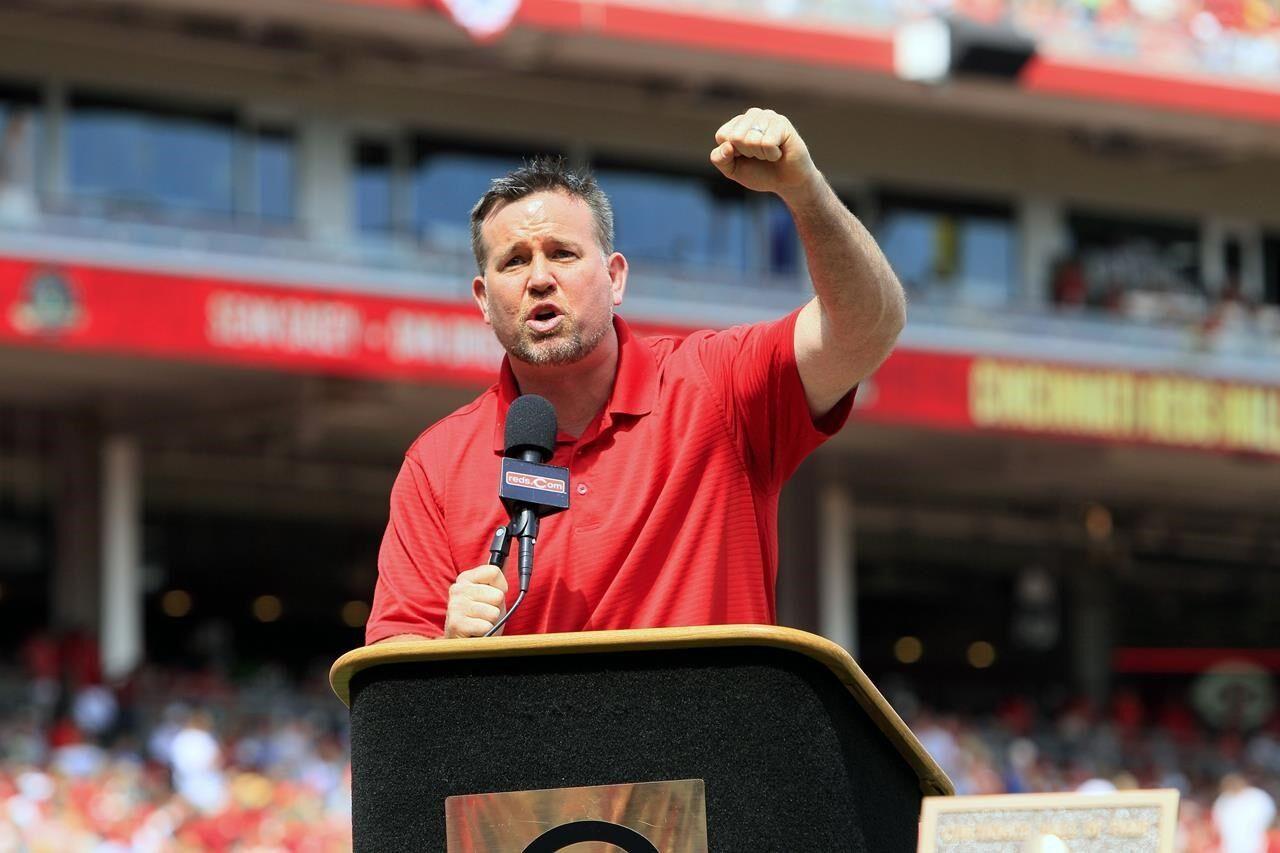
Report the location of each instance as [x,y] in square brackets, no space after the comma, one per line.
[540,277]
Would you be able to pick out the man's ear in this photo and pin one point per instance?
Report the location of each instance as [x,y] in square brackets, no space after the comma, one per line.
[617,265]
[479,293]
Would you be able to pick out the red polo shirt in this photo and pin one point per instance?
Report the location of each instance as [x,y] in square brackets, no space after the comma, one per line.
[673,506]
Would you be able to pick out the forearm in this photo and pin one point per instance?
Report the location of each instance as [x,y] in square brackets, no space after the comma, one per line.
[844,334]
[857,291]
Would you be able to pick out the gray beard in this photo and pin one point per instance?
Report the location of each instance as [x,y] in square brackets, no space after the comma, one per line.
[561,351]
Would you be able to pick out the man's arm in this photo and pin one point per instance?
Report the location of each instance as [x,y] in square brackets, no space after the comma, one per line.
[477,600]
[403,638]
[417,587]
[850,326]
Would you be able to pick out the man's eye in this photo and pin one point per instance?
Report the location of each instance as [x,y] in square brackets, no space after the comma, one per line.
[563,253]
[510,262]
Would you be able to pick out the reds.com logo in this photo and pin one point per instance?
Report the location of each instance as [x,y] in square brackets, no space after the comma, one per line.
[528,481]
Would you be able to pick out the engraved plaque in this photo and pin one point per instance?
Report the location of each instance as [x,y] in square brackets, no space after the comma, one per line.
[646,817]
[1123,822]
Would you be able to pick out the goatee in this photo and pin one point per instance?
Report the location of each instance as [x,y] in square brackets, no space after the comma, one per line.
[567,348]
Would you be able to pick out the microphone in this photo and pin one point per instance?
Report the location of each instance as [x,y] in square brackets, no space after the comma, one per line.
[529,488]
[531,429]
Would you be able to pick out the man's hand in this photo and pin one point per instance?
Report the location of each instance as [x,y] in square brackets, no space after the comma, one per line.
[477,600]
[762,151]
[858,310]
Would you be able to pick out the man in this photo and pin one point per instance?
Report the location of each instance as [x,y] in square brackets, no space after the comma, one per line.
[1242,814]
[677,448]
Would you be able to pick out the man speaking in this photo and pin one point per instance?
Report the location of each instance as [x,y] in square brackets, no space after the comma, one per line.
[677,448]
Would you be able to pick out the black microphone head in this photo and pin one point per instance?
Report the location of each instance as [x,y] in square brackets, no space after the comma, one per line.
[531,424]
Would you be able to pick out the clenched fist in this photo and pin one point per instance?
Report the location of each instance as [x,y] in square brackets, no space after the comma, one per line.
[761,150]
[477,600]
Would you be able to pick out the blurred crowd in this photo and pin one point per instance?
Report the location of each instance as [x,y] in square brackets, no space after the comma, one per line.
[1223,38]
[194,761]
[168,760]
[1133,282]
[1228,780]
[1228,38]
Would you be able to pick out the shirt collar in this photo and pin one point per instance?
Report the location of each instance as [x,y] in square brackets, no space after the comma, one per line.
[635,385]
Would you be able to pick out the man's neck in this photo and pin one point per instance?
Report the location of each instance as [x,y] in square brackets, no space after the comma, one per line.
[577,391]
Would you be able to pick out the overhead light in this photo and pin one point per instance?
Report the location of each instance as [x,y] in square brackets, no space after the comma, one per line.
[267,608]
[176,603]
[981,654]
[1098,523]
[933,50]
[355,614]
[908,649]
[922,51]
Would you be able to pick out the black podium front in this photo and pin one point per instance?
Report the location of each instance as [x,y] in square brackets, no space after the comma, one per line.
[796,749]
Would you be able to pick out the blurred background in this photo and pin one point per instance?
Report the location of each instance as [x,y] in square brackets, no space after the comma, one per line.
[234,286]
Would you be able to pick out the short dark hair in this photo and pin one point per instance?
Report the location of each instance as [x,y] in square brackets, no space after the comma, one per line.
[543,174]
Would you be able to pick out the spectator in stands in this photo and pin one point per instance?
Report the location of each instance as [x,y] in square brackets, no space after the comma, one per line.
[287,781]
[16,162]
[1242,815]
[196,760]
[1068,283]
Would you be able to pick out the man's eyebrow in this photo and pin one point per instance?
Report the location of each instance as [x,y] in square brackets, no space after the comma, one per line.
[513,247]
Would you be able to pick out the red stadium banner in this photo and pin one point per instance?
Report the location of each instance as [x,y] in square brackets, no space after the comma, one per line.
[79,307]
[1093,403]
[1183,661]
[76,307]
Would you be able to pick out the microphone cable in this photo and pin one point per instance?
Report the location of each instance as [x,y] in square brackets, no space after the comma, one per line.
[505,616]
[501,547]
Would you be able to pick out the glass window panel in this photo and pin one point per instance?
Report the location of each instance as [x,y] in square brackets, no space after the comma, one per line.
[373,175]
[988,249]
[273,175]
[19,128]
[682,220]
[784,243]
[1271,269]
[446,184]
[950,251]
[905,237]
[134,154]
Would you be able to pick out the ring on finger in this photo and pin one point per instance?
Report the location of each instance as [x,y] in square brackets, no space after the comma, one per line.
[755,128]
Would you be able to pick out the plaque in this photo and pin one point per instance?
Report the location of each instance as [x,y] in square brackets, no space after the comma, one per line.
[645,817]
[1122,822]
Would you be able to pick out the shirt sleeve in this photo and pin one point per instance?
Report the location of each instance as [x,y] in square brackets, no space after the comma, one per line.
[415,568]
[752,370]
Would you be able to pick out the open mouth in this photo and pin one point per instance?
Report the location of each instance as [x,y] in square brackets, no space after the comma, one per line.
[544,319]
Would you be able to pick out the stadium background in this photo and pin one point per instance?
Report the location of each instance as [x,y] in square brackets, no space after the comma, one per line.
[234,285]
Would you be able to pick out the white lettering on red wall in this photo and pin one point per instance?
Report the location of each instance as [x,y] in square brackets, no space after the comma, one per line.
[414,336]
[325,328]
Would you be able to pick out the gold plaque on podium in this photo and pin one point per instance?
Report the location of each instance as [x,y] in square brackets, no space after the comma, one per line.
[644,817]
[1122,822]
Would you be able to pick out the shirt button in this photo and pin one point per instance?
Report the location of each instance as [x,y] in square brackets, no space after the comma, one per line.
[582,488]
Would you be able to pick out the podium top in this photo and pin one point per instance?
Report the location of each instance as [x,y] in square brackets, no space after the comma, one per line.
[933,781]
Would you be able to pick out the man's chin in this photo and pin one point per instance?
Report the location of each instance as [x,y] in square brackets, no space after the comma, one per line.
[549,352]
[555,348]
[563,346]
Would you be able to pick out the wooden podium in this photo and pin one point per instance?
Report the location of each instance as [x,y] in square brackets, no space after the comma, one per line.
[796,748]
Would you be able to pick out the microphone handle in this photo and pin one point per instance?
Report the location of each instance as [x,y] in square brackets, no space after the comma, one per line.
[524,524]
[500,546]
[525,528]
[534,455]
